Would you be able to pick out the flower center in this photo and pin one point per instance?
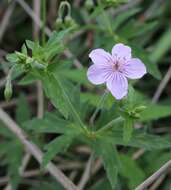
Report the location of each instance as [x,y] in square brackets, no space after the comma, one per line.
[116,66]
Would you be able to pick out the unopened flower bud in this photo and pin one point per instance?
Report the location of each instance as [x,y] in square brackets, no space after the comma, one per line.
[8,89]
[136,116]
[69,22]
[58,23]
[140,109]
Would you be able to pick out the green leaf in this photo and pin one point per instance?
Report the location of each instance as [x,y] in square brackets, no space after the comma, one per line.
[27,79]
[153,163]
[5,132]
[60,144]
[24,49]
[57,37]
[133,29]
[14,160]
[47,185]
[30,44]
[54,91]
[138,139]
[75,75]
[155,111]
[12,57]
[51,123]
[110,159]
[135,175]
[123,17]
[55,44]
[102,184]
[52,51]
[133,99]
[23,112]
[162,46]
[71,108]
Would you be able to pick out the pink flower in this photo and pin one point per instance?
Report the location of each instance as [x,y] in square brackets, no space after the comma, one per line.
[115,69]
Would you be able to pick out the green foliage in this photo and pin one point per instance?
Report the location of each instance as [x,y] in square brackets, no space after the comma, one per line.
[155,111]
[110,159]
[47,186]
[128,129]
[123,18]
[23,113]
[54,92]
[102,184]
[131,171]
[161,46]
[60,144]
[138,139]
[51,123]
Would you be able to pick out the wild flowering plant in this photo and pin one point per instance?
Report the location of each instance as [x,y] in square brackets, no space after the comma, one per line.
[75,117]
[69,119]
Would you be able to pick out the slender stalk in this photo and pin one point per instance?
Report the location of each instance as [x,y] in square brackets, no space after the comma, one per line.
[110,124]
[99,106]
[44,22]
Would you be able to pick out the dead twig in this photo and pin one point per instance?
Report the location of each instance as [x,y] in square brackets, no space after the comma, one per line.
[155,176]
[35,151]
[158,182]
[86,175]
[162,86]
[6,19]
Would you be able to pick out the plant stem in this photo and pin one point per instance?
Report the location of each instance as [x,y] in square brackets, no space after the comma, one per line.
[110,124]
[99,106]
[44,22]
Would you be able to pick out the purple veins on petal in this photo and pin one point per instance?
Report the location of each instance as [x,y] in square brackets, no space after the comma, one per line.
[115,69]
[118,85]
[98,75]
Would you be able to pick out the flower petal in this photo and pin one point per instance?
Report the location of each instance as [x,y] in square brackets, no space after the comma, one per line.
[134,69]
[100,56]
[98,75]
[118,85]
[121,51]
